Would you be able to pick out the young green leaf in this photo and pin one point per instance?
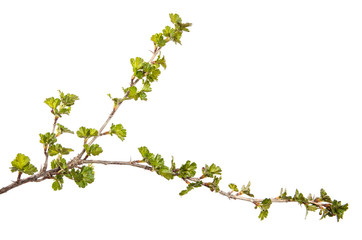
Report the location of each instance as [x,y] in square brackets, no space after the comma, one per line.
[190,187]
[119,131]
[211,171]
[52,102]
[84,132]
[68,99]
[246,190]
[83,177]
[233,187]
[93,149]
[161,61]
[158,40]
[22,164]
[187,170]
[58,149]
[137,64]
[61,129]
[47,139]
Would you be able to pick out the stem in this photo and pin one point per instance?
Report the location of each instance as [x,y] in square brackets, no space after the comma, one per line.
[133,82]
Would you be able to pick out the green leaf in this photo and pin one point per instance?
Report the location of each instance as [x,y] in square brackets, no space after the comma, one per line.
[20,161]
[158,40]
[56,185]
[52,102]
[132,92]
[61,129]
[161,61]
[22,164]
[84,176]
[264,206]
[165,172]
[68,99]
[84,132]
[190,187]
[233,187]
[93,149]
[119,131]
[324,196]
[59,162]
[246,190]
[146,87]
[211,171]
[137,64]
[215,184]
[58,149]
[187,170]
[48,138]
[175,18]
[145,153]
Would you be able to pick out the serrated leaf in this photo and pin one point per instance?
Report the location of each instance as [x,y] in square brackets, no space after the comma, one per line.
[22,164]
[48,138]
[161,61]
[61,129]
[93,149]
[210,171]
[190,187]
[68,99]
[119,131]
[145,153]
[158,40]
[58,149]
[137,64]
[187,170]
[52,102]
[233,187]
[84,132]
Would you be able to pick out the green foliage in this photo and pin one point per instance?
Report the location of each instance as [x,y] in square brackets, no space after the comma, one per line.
[47,139]
[191,186]
[86,133]
[61,129]
[187,170]
[156,162]
[22,164]
[61,105]
[161,61]
[264,206]
[158,40]
[233,187]
[68,99]
[214,186]
[119,131]
[59,149]
[211,171]
[246,190]
[58,182]
[82,177]
[334,209]
[59,163]
[93,149]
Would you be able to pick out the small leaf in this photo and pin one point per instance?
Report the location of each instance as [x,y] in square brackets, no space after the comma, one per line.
[158,40]
[22,164]
[68,99]
[61,129]
[211,171]
[190,187]
[187,170]
[58,149]
[48,138]
[93,149]
[52,102]
[84,132]
[119,131]
[233,187]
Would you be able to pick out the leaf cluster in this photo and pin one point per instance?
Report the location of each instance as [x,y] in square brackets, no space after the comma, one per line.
[22,164]
[61,105]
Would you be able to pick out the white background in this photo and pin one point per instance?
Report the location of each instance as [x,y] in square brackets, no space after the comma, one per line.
[268,90]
